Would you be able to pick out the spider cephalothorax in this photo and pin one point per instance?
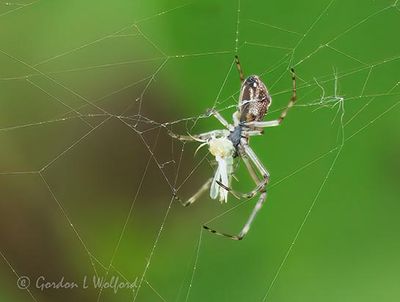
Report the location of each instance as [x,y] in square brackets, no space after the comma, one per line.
[226,144]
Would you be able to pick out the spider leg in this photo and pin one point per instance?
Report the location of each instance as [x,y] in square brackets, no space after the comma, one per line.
[236,118]
[239,68]
[250,168]
[263,124]
[202,137]
[278,121]
[260,167]
[195,196]
[248,223]
[258,164]
[252,132]
[259,188]
[220,118]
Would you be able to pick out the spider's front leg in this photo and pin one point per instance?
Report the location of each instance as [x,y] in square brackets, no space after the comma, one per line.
[220,118]
[202,137]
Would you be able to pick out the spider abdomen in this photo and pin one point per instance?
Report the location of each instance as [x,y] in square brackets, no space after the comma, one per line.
[254,100]
[255,111]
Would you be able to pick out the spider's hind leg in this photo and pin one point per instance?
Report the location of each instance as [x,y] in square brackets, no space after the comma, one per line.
[195,196]
[261,183]
[248,223]
[261,187]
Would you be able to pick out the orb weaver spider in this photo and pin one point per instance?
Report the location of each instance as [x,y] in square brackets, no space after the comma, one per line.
[232,142]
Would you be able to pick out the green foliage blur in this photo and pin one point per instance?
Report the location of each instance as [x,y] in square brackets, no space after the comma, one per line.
[88,171]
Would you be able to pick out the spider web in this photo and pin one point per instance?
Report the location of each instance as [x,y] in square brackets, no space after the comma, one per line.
[88,173]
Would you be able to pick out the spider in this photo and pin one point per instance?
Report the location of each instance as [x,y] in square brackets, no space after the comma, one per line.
[227,144]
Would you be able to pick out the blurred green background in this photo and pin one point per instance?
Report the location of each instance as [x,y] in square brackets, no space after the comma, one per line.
[87,169]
